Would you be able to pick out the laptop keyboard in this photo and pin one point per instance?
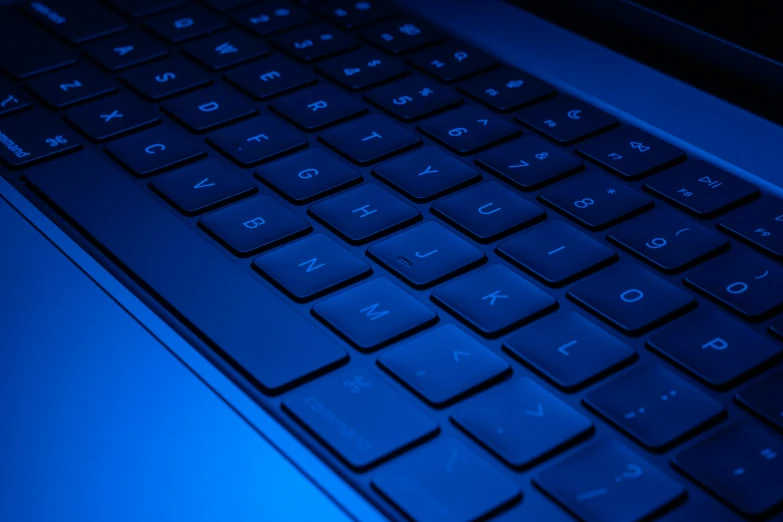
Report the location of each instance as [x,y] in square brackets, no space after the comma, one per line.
[472,295]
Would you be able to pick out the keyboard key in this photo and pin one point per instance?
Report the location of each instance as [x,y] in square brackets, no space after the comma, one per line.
[226,49]
[749,473]
[184,23]
[777,327]
[270,77]
[404,34]
[124,50]
[374,314]
[529,162]
[760,224]
[353,397]
[700,188]
[714,348]
[139,8]
[702,509]
[765,398]
[112,117]
[586,483]
[255,140]
[631,298]
[311,267]
[452,61]
[426,255]
[350,15]
[413,98]
[254,224]
[364,213]
[443,364]
[11,98]
[362,69]
[521,422]
[556,252]
[506,89]
[668,240]
[42,52]
[493,300]
[314,42]
[317,107]
[166,78]
[206,109]
[369,139]
[468,129]
[34,136]
[156,150]
[225,5]
[271,17]
[746,282]
[308,175]
[595,200]
[566,119]
[69,86]
[76,21]
[569,350]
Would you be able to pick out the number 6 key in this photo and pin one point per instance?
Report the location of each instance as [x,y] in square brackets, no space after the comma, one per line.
[468,129]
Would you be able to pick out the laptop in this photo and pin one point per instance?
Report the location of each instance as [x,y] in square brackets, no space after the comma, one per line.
[432,261]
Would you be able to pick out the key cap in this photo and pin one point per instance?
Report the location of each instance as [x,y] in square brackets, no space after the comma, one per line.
[270,77]
[317,107]
[225,5]
[765,398]
[76,21]
[413,98]
[350,15]
[452,61]
[374,314]
[760,224]
[777,328]
[566,119]
[569,350]
[468,129]
[488,211]
[362,68]
[631,298]
[369,139]
[426,255]
[70,86]
[364,213]
[111,117]
[120,51]
[493,300]
[226,49]
[668,240]
[749,473]
[33,136]
[258,139]
[314,42]
[184,23]
[311,267]
[586,484]
[426,173]
[595,200]
[443,364]
[556,252]
[703,509]
[714,348]
[42,52]
[506,89]
[404,34]
[520,422]
[308,175]
[11,98]
[155,150]
[271,17]
[254,224]
[528,163]
[701,189]
[165,78]
[209,108]
[445,480]
[139,8]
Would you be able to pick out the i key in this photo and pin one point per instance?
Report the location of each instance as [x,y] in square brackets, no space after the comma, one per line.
[468,129]
[369,139]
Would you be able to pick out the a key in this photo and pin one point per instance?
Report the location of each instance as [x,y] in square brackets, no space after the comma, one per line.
[569,350]
[506,89]
[207,109]
[374,314]
[11,98]
[566,119]
[42,52]
[314,42]
[468,129]
[155,150]
[760,224]
[413,98]
[369,139]
[112,117]
[66,87]
[452,61]
[317,107]
[139,8]
[226,49]
[166,78]
[311,267]
[184,23]
[426,254]
[76,21]
[521,422]
[33,136]
[404,34]
[271,17]
[255,140]
[270,77]
[120,51]
[362,68]
[765,398]
[350,15]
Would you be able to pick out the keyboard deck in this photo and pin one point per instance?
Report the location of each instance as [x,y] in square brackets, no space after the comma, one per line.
[472,295]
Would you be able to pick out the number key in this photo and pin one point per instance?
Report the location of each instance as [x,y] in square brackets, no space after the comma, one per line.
[760,224]
[413,98]
[314,42]
[361,69]
[566,119]
[184,23]
[468,129]
[452,61]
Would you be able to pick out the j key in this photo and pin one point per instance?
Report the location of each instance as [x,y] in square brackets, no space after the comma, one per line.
[155,150]
[317,107]
[308,175]
[443,364]
[354,396]
[748,475]
[166,78]
[765,398]
[139,8]
[402,35]
[595,200]
[226,49]
[42,52]
[426,173]
[31,137]
[569,350]
[521,422]
[566,119]
[369,139]
[361,69]
[364,213]
[700,188]
[69,86]
[413,98]
[258,139]
[445,480]
[586,484]
[715,348]
[254,224]
[111,117]
[493,300]
[271,17]
[77,21]
[506,89]
[11,98]
[488,211]
[746,282]
[315,42]
[374,314]
[426,255]
[350,15]
[184,23]
[206,109]
[452,61]
[468,129]
[311,267]
[556,252]
[202,186]
[124,50]
[760,224]
[270,77]
[631,298]
[667,239]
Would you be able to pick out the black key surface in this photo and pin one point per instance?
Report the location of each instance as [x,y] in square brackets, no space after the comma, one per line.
[112,117]
[413,98]
[404,34]
[369,139]
[125,50]
[566,119]
[184,23]
[66,87]
[42,52]
[258,139]
[350,15]
[166,78]
[12,98]
[765,398]
[506,89]
[34,136]
[206,109]
[314,42]
[155,150]
[362,68]
[76,21]
[760,224]
[225,5]
[270,77]
[452,61]
[226,49]
[139,8]
[271,17]
[468,129]
[317,107]
[777,327]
